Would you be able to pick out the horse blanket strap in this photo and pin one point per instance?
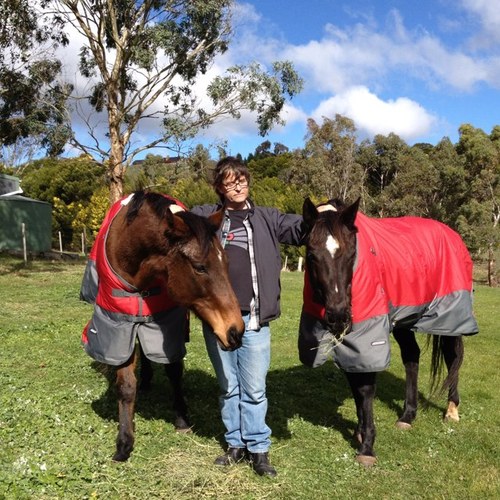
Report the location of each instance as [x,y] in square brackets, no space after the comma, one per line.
[122,312]
[410,272]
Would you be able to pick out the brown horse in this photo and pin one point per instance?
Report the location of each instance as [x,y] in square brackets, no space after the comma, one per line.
[367,277]
[149,248]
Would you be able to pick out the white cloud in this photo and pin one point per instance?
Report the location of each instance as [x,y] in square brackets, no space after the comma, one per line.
[363,55]
[372,115]
[488,13]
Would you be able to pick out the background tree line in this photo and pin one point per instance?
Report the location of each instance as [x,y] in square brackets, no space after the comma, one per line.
[458,184]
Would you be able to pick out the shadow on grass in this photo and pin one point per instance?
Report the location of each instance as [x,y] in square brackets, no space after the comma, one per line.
[313,395]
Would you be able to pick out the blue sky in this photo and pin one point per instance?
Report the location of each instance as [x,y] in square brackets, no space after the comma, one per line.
[418,69]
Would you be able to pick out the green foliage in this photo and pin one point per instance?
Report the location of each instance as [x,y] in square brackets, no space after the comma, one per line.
[327,166]
[89,217]
[58,413]
[271,165]
[192,192]
[32,101]
[69,185]
[414,189]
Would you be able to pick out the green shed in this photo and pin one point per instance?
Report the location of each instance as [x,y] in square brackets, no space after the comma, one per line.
[16,210]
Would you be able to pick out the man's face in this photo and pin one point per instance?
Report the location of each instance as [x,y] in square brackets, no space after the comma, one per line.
[235,189]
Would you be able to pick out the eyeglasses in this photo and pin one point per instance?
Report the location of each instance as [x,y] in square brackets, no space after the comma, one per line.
[243,183]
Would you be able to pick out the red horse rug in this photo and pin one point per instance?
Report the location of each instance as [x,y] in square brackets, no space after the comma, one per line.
[409,272]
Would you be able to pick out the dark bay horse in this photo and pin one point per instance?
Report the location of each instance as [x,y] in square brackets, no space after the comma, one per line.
[367,277]
[149,265]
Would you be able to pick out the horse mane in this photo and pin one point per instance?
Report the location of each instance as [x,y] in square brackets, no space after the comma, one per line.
[200,227]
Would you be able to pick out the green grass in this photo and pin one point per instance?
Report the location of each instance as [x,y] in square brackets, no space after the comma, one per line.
[58,414]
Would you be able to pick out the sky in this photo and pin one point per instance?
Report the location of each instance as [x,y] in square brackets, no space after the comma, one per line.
[417,69]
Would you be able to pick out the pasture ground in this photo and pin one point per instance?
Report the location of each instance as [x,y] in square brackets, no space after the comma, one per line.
[58,414]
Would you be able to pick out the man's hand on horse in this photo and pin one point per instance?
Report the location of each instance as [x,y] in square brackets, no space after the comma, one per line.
[326,208]
[175,208]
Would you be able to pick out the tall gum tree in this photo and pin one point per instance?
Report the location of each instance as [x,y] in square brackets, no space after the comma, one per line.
[32,98]
[139,53]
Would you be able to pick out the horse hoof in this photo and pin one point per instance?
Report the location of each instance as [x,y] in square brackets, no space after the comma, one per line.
[120,457]
[182,426]
[183,430]
[366,460]
[452,413]
[404,426]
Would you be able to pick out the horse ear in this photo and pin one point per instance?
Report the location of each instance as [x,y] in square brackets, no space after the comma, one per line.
[216,219]
[309,212]
[348,215]
[176,227]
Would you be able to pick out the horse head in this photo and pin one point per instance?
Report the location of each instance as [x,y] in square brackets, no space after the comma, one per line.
[330,256]
[198,275]
[151,242]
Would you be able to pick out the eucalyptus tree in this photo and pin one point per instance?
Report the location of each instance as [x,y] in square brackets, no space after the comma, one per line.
[32,97]
[453,184]
[381,160]
[481,213]
[327,165]
[415,188]
[140,53]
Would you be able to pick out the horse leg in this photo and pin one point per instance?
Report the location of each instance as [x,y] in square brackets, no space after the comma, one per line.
[146,371]
[126,384]
[174,373]
[363,390]
[452,349]
[410,354]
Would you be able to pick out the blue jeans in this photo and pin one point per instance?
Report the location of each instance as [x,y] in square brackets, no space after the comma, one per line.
[242,380]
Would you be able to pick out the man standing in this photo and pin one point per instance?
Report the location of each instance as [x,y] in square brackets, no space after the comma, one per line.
[251,236]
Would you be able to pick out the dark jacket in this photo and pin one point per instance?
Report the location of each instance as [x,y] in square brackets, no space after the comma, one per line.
[270,228]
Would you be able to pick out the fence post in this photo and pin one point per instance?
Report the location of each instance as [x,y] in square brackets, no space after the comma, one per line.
[299,267]
[23,232]
[60,242]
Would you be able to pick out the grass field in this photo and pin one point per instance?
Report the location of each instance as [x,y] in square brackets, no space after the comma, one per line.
[58,414]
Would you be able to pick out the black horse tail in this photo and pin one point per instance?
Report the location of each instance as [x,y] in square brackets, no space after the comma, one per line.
[451,351]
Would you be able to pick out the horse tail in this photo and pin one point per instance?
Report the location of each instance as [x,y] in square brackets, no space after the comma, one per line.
[451,351]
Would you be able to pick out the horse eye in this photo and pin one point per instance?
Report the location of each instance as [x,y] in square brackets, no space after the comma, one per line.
[200,268]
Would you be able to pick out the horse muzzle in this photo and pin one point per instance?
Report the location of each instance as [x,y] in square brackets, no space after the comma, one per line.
[234,339]
[338,324]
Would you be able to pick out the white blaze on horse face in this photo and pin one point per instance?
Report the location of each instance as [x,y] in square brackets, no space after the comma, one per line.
[332,245]
[219,254]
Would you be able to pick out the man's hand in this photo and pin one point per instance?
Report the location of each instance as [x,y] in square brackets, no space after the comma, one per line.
[326,208]
[175,208]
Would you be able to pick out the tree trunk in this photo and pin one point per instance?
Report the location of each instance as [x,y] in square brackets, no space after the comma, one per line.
[491,267]
[116,171]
